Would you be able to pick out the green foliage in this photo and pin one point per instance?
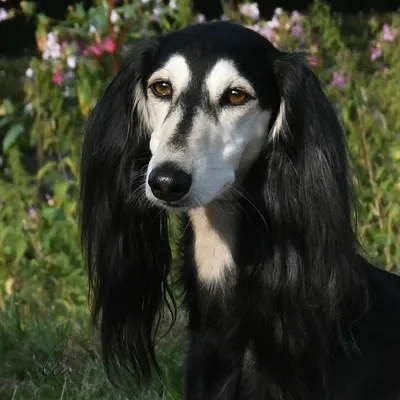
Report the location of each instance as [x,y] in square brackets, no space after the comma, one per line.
[43,287]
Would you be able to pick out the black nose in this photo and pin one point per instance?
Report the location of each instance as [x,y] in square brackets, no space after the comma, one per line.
[169,183]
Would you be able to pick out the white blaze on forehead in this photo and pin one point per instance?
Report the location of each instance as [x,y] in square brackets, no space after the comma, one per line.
[223,75]
[163,131]
[176,70]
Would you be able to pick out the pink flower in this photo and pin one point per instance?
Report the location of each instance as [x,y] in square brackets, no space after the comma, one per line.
[33,213]
[255,28]
[338,80]
[274,23]
[109,45]
[3,14]
[57,78]
[296,16]
[297,31]
[376,52]
[313,60]
[268,33]
[388,33]
[94,50]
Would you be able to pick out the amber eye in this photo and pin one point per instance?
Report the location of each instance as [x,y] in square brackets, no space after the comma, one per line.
[161,89]
[236,97]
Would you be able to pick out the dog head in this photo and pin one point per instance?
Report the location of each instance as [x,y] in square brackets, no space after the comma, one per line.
[208,100]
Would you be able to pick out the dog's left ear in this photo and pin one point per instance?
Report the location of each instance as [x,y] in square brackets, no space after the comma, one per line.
[307,172]
[125,239]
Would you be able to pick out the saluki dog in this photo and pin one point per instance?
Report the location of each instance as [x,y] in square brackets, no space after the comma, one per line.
[239,140]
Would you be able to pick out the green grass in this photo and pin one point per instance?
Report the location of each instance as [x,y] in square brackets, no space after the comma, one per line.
[43,360]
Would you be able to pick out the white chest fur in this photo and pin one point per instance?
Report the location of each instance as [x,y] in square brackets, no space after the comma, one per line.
[214,232]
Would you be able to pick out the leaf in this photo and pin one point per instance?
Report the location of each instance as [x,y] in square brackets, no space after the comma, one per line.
[20,247]
[45,169]
[4,121]
[28,7]
[60,192]
[49,213]
[11,136]
[8,106]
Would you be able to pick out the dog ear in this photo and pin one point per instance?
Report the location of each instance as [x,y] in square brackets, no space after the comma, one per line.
[308,167]
[125,238]
[311,251]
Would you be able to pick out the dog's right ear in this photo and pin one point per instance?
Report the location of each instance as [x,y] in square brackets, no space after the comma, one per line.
[124,238]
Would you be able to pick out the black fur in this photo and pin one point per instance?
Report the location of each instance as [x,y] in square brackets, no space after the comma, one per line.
[306,317]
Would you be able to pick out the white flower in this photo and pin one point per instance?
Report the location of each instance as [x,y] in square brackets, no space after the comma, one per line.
[250,10]
[67,92]
[92,29]
[157,12]
[52,49]
[71,62]
[29,73]
[145,1]
[172,5]
[114,16]
[278,11]
[3,14]
[201,18]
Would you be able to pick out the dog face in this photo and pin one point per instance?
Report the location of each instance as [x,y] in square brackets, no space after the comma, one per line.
[209,100]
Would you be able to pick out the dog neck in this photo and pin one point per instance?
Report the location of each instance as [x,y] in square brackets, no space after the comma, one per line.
[214,228]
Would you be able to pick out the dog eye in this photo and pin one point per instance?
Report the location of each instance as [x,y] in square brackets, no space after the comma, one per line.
[161,89]
[236,97]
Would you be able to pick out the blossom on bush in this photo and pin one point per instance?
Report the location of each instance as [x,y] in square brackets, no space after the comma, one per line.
[57,78]
[338,80]
[157,13]
[297,31]
[200,18]
[71,62]
[29,73]
[52,48]
[172,5]
[376,52]
[109,45]
[33,214]
[296,16]
[273,23]
[388,34]
[294,19]
[93,50]
[3,14]
[114,18]
[250,10]
[313,60]
[278,11]
[268,33]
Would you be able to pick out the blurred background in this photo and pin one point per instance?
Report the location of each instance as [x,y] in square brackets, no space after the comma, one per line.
[56,58]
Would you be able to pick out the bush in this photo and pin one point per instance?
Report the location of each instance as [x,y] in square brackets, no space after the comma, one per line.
[41,274]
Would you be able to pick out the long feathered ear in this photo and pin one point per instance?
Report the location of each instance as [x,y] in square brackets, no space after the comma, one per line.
[308,173]
[308,246]
[125,239]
